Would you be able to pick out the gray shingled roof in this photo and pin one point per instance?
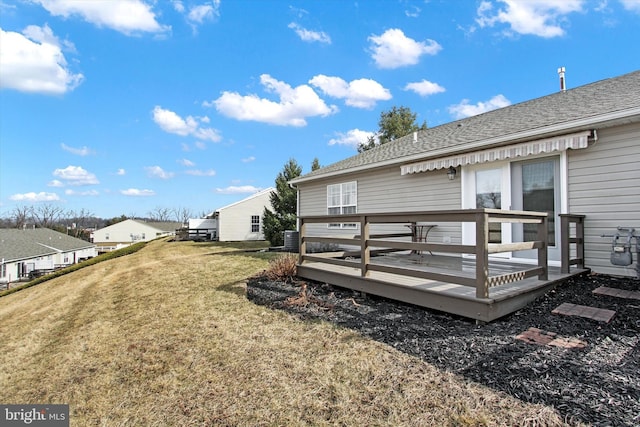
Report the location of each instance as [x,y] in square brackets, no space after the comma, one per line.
[581,107]
[17,244]
[166,226]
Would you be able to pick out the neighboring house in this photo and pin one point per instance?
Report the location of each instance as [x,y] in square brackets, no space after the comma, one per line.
[242,220]
[127,232]
[201,229]
[29,252]
[575,151]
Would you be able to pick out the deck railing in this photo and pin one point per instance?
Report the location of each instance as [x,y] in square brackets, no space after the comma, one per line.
[568,238]
[371,243]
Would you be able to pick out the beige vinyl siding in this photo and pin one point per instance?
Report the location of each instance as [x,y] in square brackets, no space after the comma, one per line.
[604,185]
[385,190]
[234,221]
[123,231]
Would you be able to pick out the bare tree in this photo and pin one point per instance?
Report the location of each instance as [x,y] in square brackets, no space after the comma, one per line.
[21,216]
[77,222]
[47,215]
[160,214]
[182,214]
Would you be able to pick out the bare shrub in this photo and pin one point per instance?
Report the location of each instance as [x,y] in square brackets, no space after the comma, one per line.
[306,297]
[282,268]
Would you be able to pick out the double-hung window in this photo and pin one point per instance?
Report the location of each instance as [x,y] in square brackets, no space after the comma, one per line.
[342,199]
[255,223]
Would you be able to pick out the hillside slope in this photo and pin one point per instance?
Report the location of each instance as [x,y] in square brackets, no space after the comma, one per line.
[166,336]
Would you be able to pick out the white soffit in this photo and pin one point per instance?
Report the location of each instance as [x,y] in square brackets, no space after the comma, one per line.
[532,148]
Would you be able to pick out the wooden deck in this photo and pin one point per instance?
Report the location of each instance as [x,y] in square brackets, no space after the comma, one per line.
[448,297]
[479,287]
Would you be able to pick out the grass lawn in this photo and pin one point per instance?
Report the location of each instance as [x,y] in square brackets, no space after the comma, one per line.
[166,337]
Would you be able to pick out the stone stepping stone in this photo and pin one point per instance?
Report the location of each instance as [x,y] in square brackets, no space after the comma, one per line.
[540,337]
[619,293]
[593,313]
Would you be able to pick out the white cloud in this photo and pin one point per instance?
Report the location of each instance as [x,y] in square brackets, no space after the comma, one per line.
[198,172]
[541,18]
[158,172]
[81,193]
[393,49]
[424,88]
[632,5]
[121,172]
[292,109]
[172,123]
[76,175]
[413,12]
[186,162]
[232,189]
[310,36]
[200,14]
[55,183]
[464,109]
[352,138]
[137,193]
[204,12]
[83,151]
[35,197]
[34,62]
[126,16]
[361,93]
[248,159]
[178,6]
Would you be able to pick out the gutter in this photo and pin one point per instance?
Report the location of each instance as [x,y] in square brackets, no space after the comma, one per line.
[575,125]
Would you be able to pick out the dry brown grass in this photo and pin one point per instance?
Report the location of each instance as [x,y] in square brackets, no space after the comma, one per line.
[165,337]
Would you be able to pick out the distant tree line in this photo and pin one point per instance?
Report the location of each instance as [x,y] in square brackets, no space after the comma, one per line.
[80,223]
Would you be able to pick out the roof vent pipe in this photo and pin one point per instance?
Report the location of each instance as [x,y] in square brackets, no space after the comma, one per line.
[415,137]
[563,84]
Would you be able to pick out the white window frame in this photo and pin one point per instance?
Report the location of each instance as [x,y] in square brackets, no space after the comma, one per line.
[255,223]
[342,200]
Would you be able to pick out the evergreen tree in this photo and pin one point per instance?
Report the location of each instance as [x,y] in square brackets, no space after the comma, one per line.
[393,124]
[284,202]
[315,165]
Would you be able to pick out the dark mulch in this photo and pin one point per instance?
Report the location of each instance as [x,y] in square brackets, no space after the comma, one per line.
[599,384]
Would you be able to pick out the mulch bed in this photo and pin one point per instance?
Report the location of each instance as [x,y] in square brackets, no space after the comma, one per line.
[597,384]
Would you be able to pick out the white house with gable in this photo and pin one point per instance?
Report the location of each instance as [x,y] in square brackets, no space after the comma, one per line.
[242,220]
[125,233]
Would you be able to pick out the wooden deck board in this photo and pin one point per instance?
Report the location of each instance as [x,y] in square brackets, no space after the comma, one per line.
[448,297]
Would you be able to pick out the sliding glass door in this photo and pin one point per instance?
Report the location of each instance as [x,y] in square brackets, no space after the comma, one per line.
[531,185]
[489,195]
[534,187]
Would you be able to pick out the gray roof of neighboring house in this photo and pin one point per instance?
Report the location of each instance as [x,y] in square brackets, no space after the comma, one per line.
[17,244]
[562,112]
[167,226]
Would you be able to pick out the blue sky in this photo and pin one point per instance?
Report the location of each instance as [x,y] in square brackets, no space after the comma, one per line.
[124,107]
